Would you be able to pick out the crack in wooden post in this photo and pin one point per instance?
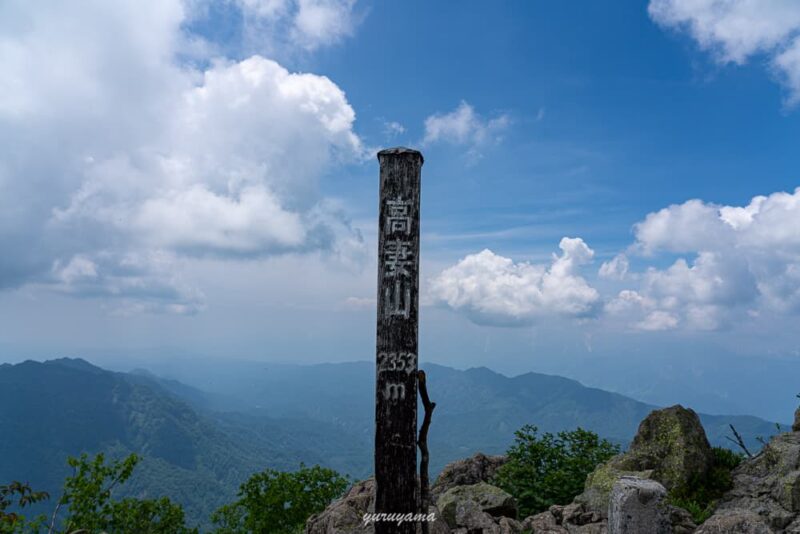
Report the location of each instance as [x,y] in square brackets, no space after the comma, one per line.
[397,339]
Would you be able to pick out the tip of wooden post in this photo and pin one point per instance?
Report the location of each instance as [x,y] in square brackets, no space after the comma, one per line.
[400,150]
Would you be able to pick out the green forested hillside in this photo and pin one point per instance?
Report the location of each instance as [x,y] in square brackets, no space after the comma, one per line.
[197,446]
[477,409]
[64,407]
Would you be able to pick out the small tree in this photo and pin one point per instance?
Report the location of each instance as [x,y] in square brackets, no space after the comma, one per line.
[550,469]
[23,494]
[87,494]
[279,502]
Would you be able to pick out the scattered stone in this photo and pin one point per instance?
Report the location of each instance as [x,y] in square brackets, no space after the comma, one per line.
[573,518]
[489,499]
[544,522]
[734,522]
[478,468]
[619,496]
[637,506]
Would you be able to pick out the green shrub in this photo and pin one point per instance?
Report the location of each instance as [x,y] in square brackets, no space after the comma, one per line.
[278,502]
[87,498]
[550,469]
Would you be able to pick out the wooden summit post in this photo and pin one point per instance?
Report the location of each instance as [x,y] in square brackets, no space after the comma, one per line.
[398,317]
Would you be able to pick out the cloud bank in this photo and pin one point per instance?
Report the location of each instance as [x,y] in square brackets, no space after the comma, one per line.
[725,265]
[744,260]
[118,161]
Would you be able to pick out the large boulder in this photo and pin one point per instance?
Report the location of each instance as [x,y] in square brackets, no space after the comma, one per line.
[673,444]
[638,505]
[478,468]
[670,447]
[490,500]
[796,425]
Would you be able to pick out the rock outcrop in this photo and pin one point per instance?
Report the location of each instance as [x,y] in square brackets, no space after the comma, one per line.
[766,492]
[346,515]
[477,468]
[670,447]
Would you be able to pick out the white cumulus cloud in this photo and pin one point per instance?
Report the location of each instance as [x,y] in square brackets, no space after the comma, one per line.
[616,268]
[463,126]
[736,30]
[117,161]
[741,259]
[492,289]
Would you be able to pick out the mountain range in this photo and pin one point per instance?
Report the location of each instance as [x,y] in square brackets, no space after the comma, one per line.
[203,435]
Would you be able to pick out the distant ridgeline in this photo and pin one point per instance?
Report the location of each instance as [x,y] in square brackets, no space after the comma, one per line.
[198,446]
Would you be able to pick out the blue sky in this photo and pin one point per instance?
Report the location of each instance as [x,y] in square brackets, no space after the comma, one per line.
[199,177]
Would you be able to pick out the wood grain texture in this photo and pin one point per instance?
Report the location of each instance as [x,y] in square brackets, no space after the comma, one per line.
[397,338]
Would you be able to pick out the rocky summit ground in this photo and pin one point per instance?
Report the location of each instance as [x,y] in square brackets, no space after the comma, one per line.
[627,494]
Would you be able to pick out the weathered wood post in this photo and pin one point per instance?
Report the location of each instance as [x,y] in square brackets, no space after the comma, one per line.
[398,307]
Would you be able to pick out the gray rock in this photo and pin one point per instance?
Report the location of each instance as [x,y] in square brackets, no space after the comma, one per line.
[590,528]
[468,514]
[734,522]
[796,425]
[478,468]
[509,526]
[766,492]
[597,488]
[573,518]
[637,506]
[681,520]
[788,491]
[670,447]
[673,444]
[346,515]
[489,499]
[544,522]
[794,527]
